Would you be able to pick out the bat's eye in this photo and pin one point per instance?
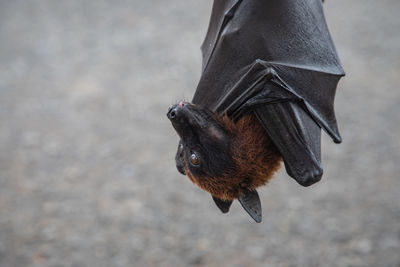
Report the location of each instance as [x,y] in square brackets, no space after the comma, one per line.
[194,159]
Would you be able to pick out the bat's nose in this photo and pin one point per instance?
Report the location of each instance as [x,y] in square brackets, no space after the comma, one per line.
[174,110]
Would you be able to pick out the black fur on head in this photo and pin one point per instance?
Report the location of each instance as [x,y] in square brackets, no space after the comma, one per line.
[204,148]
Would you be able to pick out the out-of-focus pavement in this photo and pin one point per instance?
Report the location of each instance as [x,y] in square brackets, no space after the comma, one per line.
[87,175]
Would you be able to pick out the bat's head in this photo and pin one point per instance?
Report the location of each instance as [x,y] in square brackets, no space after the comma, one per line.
[205,146]
[226,159]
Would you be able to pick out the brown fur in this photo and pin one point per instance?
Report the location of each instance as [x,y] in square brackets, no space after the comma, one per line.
[255,160]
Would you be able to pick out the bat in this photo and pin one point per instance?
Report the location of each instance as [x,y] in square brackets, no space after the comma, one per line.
[269,67]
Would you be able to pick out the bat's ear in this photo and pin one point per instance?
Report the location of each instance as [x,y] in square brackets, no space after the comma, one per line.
[223,205]
[251,203]
[179,158]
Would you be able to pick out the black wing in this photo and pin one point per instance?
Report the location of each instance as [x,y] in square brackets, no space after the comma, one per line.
[275,58]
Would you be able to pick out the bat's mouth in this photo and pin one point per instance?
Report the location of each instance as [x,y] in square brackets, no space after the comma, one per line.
[186,118]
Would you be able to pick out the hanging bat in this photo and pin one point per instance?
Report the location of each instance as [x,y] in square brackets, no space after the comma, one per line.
[269,77]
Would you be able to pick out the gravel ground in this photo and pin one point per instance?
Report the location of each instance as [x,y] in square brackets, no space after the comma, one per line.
[87,171]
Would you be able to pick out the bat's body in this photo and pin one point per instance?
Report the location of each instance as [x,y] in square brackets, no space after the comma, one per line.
[275,60]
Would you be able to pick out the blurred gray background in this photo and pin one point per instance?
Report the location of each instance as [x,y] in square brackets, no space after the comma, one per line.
[87,175]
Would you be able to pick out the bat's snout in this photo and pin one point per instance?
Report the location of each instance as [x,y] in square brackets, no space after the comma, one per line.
[171,114]
[175,110]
